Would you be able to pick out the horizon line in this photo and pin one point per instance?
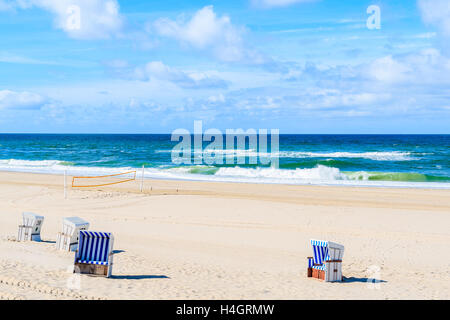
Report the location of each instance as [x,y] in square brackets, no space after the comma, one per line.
[131,133]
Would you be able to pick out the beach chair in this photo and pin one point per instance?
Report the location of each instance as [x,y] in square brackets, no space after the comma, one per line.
[94,254]
[67,240]
[327,261]
[30,229]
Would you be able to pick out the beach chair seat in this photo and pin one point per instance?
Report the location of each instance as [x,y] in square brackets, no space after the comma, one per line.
[67,239]
[94,254]
[30,229]
[104,263]
[327,261]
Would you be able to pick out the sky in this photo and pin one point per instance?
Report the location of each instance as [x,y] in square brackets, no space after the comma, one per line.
[300,66]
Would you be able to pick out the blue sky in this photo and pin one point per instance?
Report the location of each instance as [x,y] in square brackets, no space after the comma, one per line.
[153,66]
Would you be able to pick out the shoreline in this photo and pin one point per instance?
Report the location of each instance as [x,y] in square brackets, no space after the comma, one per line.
[301,194]
[210,240]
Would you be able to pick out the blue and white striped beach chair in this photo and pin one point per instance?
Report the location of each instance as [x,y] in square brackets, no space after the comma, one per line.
[94,254]
[327,261]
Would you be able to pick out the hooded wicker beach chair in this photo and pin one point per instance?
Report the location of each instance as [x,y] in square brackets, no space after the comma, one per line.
[94,254]
[30,229]
[67,239]
[327,261]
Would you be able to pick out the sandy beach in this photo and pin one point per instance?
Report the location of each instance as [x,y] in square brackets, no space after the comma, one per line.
[205,240]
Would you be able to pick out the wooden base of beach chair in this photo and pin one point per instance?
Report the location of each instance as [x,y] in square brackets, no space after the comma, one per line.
[334,275]
[319,274]
[309,272]
[92,269]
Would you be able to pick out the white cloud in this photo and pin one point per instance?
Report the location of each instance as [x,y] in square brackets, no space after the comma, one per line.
[21,100]
[277,3]
[203,29]
[348,99]
[217,98]
[206,31]
[436,13]
[387,69]
[160,71]
[98,18]
[409,85]
[428,66]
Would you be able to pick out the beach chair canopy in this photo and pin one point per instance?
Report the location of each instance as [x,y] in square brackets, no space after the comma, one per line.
[31,219]
[94,247]
[75,221]
[324,251]
[73,224]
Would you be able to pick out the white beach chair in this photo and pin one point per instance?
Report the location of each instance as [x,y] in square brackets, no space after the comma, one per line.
[94,254]
[327,261]
[30,229]
[68,239]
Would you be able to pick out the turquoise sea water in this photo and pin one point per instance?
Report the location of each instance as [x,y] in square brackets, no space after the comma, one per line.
[368,160]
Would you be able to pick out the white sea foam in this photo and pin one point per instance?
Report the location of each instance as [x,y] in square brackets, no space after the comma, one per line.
[225,152]
[321,175]
[28,163]
[54,167]
[318,173]
[378,156]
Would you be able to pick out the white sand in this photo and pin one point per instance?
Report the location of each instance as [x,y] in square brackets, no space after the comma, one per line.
[228,241]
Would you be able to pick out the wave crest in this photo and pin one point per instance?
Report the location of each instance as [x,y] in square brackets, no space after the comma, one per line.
[375,155]
[318,173]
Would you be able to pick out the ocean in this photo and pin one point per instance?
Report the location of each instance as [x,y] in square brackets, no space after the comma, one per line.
[421,161]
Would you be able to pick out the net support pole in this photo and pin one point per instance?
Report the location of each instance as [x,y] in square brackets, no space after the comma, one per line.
[142,178]
[65,184]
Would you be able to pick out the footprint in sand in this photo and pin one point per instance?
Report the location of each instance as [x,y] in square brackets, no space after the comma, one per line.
[40,288]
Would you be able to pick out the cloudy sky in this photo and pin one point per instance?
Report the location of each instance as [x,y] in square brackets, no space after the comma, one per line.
[303,66]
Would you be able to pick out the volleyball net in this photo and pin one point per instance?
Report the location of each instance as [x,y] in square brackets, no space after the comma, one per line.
[100,181]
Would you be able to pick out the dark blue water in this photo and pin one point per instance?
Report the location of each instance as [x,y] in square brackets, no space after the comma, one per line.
[325,159]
